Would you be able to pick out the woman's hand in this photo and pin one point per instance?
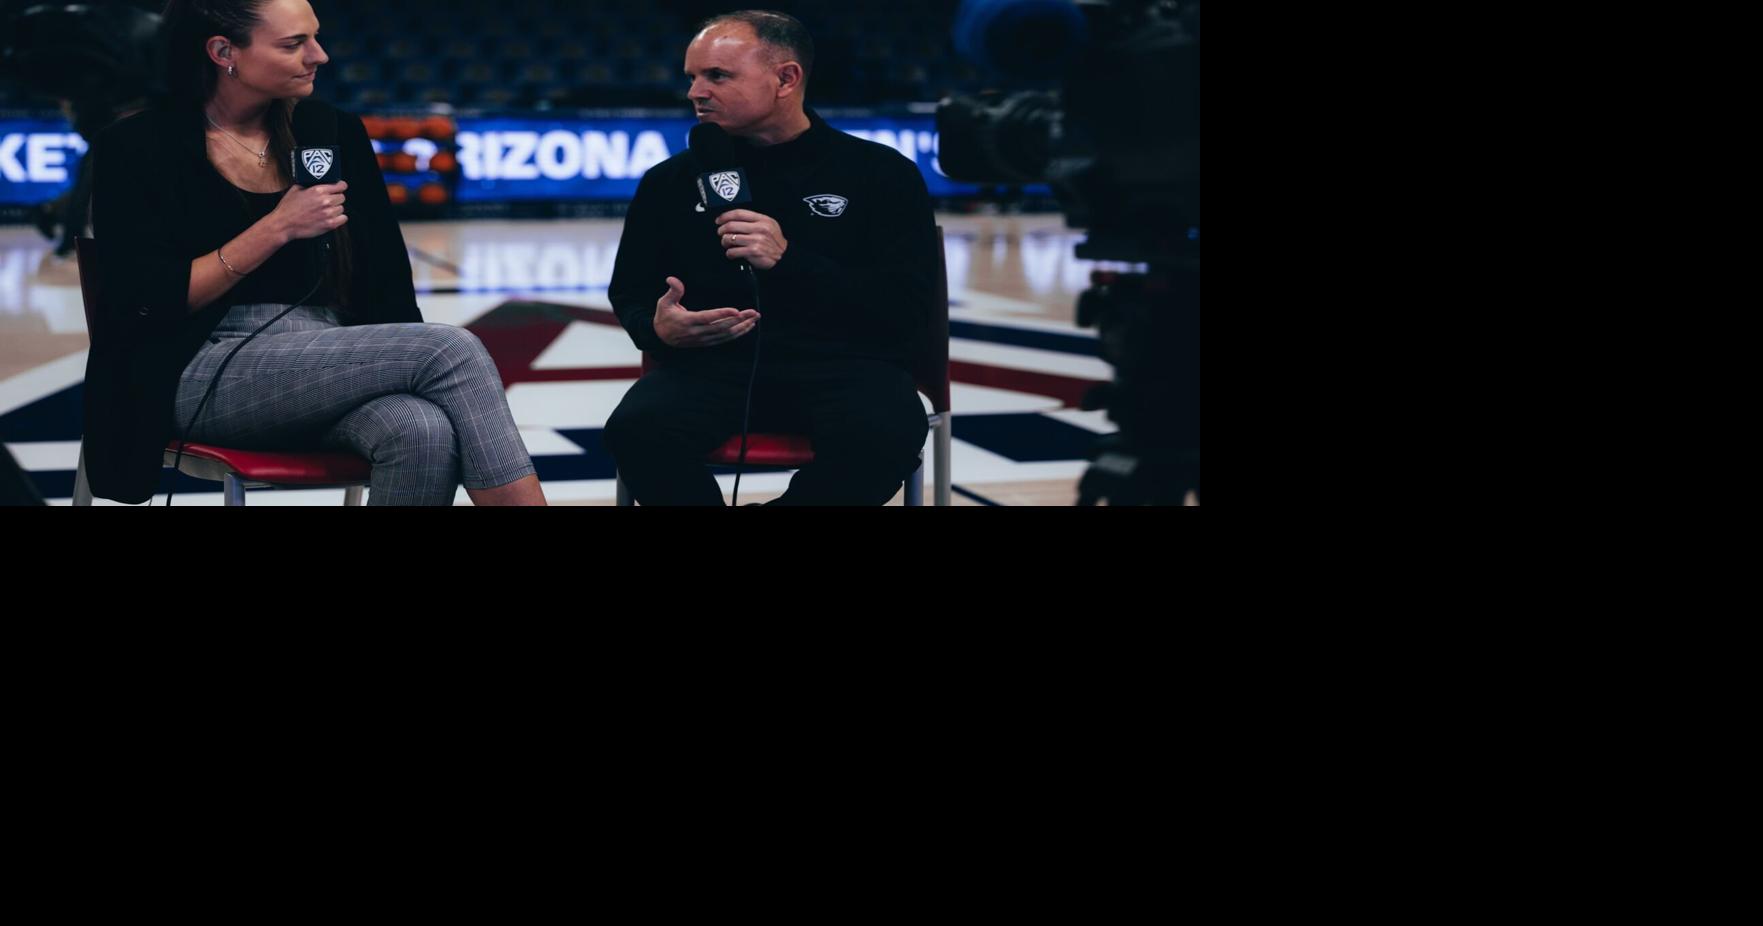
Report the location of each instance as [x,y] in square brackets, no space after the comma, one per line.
[308,212]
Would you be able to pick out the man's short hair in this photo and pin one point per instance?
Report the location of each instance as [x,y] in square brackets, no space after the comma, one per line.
[784,33]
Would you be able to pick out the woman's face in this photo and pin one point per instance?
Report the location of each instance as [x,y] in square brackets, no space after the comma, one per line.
[284,55]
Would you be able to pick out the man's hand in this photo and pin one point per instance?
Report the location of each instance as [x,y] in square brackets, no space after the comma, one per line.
[749,236]
[679,327]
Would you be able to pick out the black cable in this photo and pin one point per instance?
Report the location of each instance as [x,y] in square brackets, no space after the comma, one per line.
[758,340]
[184,438]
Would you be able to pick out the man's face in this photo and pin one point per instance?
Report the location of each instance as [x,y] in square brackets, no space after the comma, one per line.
[734,79]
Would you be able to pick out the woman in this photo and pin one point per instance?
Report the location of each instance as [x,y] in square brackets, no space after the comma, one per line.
[241,310]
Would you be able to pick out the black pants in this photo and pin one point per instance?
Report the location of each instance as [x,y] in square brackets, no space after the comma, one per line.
[864,417]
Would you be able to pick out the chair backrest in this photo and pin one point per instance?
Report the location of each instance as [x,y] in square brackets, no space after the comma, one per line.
[930,370]
[86,254]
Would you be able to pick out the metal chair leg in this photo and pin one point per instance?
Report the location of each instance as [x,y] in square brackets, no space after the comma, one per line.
[915,485]
[945,444]
[82,490]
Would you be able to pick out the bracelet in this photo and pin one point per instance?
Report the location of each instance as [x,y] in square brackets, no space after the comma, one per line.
[223,263]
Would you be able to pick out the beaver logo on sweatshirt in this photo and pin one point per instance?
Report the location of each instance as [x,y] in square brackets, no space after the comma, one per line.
[827,205]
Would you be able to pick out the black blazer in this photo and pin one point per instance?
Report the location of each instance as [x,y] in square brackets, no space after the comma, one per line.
[157,204]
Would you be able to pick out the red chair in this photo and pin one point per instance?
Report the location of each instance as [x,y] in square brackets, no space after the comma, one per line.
[931,373]
[236,470]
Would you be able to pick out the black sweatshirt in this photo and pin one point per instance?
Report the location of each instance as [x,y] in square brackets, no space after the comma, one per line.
[856,280]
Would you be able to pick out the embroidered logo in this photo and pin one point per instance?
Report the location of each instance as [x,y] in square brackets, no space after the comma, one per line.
[318,162]
[827,205]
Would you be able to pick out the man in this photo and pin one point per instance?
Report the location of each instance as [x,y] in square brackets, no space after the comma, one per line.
[842,244]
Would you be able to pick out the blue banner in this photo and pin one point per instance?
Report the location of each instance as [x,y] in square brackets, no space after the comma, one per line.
[501,159]
[39,159]
[512,159]
[522,158]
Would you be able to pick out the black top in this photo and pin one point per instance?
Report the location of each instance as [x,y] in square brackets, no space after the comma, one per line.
[859,275]
[290,274]
[157,204]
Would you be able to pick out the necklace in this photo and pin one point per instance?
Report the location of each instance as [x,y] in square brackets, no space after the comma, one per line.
[262,156]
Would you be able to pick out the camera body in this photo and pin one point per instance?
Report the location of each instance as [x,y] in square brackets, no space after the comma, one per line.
[1119,144]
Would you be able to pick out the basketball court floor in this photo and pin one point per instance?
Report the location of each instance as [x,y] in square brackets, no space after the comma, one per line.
[535,293]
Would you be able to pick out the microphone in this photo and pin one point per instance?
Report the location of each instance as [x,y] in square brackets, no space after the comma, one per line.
[313,164]
[316,165]
[723,185]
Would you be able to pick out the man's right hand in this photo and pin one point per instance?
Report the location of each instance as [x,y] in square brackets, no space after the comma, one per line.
[677,327]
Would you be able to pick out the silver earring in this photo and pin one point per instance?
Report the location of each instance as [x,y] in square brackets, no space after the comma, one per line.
[232,70]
